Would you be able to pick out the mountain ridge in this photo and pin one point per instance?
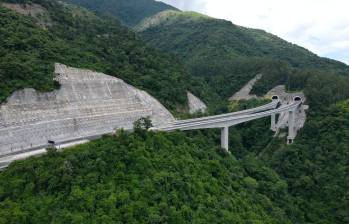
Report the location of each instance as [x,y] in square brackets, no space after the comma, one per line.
[129,12]
[147,177]
[252,36]
[27,60]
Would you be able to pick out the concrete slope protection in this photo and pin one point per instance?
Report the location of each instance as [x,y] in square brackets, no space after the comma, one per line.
[195,104]
[88,104]
[244,92]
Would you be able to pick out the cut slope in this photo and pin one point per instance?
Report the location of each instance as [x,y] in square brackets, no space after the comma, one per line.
[195,104]
[87,104]
[244,92]
[79,38]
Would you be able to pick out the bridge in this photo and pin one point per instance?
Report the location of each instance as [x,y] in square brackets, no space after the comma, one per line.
[225,121]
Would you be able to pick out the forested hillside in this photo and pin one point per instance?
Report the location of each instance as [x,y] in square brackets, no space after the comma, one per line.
[224,54]
[147,177]
[196,38]
[316,167]
[139,178]
[130,12]
[79,38]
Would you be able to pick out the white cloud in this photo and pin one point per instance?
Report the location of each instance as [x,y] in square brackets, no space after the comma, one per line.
[322,26]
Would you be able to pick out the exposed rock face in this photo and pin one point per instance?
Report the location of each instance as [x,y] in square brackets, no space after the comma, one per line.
[287,98]
[87,104]
[195,104]
[244,93]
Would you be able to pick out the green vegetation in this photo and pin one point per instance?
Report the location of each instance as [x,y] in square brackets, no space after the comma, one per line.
[179,177]
[139,178]
[344,106]
[226,56]
[322,88]
[168,16]
[315,167]
[129,12]
[78,38]
[197,40]
[148,177]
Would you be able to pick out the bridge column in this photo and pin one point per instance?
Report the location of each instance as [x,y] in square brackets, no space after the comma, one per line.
[225,138]
[291,126]
[273,122]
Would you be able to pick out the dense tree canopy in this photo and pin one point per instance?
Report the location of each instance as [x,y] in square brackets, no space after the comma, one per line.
[129,12]
[138,178]
[79,38]
[147,177]
[198,38]
[226,56]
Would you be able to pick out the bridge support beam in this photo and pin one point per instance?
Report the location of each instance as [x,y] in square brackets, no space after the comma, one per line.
[225,138]
[291,126]
[273,122]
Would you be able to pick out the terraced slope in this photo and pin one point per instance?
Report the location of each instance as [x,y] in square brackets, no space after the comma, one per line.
[87,104]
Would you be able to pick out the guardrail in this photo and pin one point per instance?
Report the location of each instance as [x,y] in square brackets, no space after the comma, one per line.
[222,122]
[269,106]
[227,120]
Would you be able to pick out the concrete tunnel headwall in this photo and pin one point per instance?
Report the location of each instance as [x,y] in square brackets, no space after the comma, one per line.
[275,97]
[298,99]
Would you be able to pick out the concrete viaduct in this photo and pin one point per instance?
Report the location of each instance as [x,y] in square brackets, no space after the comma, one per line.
[225,121]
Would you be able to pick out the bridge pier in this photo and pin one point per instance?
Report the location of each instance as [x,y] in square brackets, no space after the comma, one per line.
[291,126]
[273,122]
[225,138]
[273,116]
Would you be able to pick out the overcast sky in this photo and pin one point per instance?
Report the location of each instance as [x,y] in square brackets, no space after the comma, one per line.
[322,26]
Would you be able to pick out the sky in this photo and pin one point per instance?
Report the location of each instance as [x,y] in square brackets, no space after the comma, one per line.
[321,26]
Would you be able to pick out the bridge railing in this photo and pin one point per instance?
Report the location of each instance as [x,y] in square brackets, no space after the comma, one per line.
[227,120]
[269,106]
[214,122]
